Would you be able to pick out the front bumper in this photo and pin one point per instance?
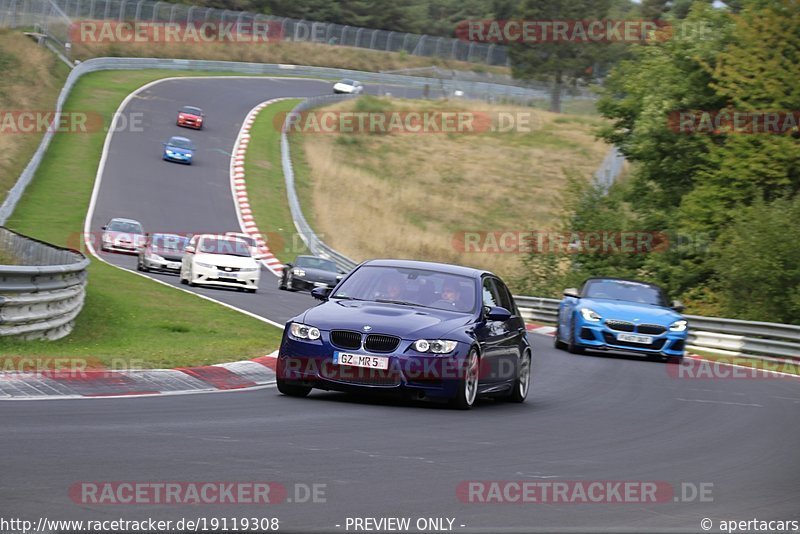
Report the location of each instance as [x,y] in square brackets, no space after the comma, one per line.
[302,284]
[179,158]
[598,336]
[190,123]
[165,265]
[215,277]
[120,246]
[419,375]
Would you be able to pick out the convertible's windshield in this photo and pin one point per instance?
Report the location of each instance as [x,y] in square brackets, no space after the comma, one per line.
[624,290]
[414,287]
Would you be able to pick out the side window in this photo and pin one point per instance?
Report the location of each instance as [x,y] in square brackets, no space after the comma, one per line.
[489,292]
[504,295]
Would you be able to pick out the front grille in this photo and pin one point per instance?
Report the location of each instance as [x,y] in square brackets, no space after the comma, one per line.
[381,343]
[610,339]
[360,376]
[345,339]
[228,269]
[652,329]
[622,326]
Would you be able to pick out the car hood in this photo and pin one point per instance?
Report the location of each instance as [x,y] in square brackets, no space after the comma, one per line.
[224,260]
[167,253]
[631,311]
[408,322]
[318,275]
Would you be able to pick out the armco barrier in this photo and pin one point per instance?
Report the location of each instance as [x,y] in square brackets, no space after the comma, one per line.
[43,292]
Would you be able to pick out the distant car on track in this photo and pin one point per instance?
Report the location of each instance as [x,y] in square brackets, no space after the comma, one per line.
[308,272]
[122,235]
[349,87]
[219,260]
[162,252]
[179,149]
[621,315]
[191,117]
[430,330]
[251,242]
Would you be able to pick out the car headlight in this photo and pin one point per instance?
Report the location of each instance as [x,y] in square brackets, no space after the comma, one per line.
[206,265]
[436,346]
[303,331]
[590,315]
[155,257]
[170,153]
[298,272]
[679,326]
[107,238]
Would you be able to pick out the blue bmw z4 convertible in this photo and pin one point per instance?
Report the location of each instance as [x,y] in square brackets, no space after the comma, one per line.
[179,149]
[429,330]
[621,315]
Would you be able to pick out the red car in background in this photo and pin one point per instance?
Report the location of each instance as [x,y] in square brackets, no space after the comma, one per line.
[191,117]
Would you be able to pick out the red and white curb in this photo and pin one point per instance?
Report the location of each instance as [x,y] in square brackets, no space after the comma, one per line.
[100,383]
[239,189]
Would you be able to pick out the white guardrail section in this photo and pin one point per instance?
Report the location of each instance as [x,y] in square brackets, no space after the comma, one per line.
[43,292]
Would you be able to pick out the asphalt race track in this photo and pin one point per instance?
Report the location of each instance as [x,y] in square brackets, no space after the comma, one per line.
[588,418]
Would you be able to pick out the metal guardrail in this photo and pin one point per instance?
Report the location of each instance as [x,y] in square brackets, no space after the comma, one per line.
[732,337]
[19,12]
[43,293]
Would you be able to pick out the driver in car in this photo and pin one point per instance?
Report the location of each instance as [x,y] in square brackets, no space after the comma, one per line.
[449,297]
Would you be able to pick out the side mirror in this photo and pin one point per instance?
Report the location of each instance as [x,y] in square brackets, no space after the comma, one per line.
[571,292]
[105,227]
[498,313]
[288,266]
[190,250]
[321,293]
[678,306]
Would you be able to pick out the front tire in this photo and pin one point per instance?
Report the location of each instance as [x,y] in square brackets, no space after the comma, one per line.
[292,390]
[282,285]
[557,343]
[522,384]
[468,384]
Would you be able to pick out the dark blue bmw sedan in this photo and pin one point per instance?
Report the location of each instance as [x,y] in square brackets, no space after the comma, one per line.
[430,330]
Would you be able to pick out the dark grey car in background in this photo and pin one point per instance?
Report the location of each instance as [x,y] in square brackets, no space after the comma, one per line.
[162,252]
[308,272]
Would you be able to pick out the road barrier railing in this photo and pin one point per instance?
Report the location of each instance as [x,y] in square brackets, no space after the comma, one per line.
[42,287]
[717,335]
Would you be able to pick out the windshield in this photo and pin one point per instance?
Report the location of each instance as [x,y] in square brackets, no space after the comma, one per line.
[125,227]
[417,287]
[191,111]
[316,263]
[251,241]
[169,242]
[221,245]
[348,82]
[624,290]
[179,142]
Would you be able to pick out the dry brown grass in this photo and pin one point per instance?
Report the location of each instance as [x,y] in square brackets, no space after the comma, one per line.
[312,54]
[30,79]
[409,196]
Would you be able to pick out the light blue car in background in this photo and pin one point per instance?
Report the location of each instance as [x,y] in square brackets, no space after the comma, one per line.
[611,314]
[179,149]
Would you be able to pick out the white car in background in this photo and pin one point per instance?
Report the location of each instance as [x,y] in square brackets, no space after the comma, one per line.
[122,235]
[220,260]
[251,242]
[348,87]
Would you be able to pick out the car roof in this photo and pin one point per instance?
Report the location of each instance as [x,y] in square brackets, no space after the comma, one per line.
[122,219]
[192,108]
[179,138]
[622,280]
[430,266]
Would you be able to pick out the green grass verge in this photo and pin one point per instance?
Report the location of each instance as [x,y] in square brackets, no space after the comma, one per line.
[266,187]
[125,316]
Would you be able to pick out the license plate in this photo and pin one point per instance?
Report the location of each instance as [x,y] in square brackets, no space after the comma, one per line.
[173,265]
[634,338]
[360,360]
